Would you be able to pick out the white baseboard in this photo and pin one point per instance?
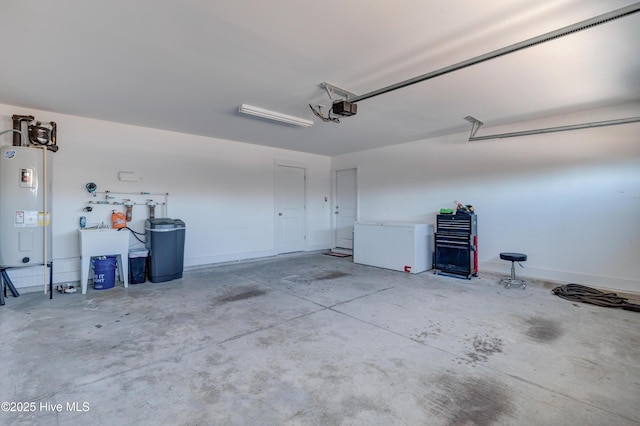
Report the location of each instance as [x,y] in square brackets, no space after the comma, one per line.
[226,258]
[33,278]
[598,281]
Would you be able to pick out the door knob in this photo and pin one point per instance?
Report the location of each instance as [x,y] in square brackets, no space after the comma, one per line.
[279,214]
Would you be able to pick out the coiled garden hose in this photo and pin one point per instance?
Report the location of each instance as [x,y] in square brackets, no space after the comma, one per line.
[584,294]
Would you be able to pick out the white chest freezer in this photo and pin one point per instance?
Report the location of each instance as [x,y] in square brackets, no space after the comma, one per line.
[406,247]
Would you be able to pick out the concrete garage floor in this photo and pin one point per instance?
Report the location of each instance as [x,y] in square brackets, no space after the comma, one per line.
[314,339]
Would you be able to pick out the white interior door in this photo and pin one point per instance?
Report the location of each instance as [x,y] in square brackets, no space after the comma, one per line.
[290,206]
[346,207]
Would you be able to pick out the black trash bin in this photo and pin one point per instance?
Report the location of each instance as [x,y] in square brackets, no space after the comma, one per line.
[165,242]
[138,265]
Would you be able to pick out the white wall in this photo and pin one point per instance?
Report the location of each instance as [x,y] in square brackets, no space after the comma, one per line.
[223,190]
[569,200]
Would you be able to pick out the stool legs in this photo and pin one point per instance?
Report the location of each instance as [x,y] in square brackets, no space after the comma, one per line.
[508,282]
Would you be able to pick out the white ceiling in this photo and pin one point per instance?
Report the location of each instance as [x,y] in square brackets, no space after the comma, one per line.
[186,66]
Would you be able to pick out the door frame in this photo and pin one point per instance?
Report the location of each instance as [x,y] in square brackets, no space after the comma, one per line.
[288,163]
[334,200]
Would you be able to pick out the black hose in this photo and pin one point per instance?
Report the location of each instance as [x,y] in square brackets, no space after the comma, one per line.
[135,234]
[584,294]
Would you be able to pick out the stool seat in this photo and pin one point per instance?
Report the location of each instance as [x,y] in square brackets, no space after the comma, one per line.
[513,257]
[512,280]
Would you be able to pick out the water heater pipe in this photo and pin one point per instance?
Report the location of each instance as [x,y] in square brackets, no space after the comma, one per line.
[24,140]
[44,218]
[17,126]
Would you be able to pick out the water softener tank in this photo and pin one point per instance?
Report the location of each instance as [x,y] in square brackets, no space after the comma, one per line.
[165,242]
[24,217]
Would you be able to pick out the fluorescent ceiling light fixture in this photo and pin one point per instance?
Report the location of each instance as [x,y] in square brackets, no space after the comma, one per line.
[272,115]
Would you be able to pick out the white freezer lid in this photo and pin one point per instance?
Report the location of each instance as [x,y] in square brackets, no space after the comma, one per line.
[394,224]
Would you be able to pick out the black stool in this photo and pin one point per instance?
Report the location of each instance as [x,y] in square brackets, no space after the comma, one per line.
[513,257]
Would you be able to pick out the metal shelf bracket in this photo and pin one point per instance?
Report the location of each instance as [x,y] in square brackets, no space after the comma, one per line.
[334,91]
[475,125]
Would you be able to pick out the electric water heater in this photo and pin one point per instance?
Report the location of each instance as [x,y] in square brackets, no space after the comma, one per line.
[25,206]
